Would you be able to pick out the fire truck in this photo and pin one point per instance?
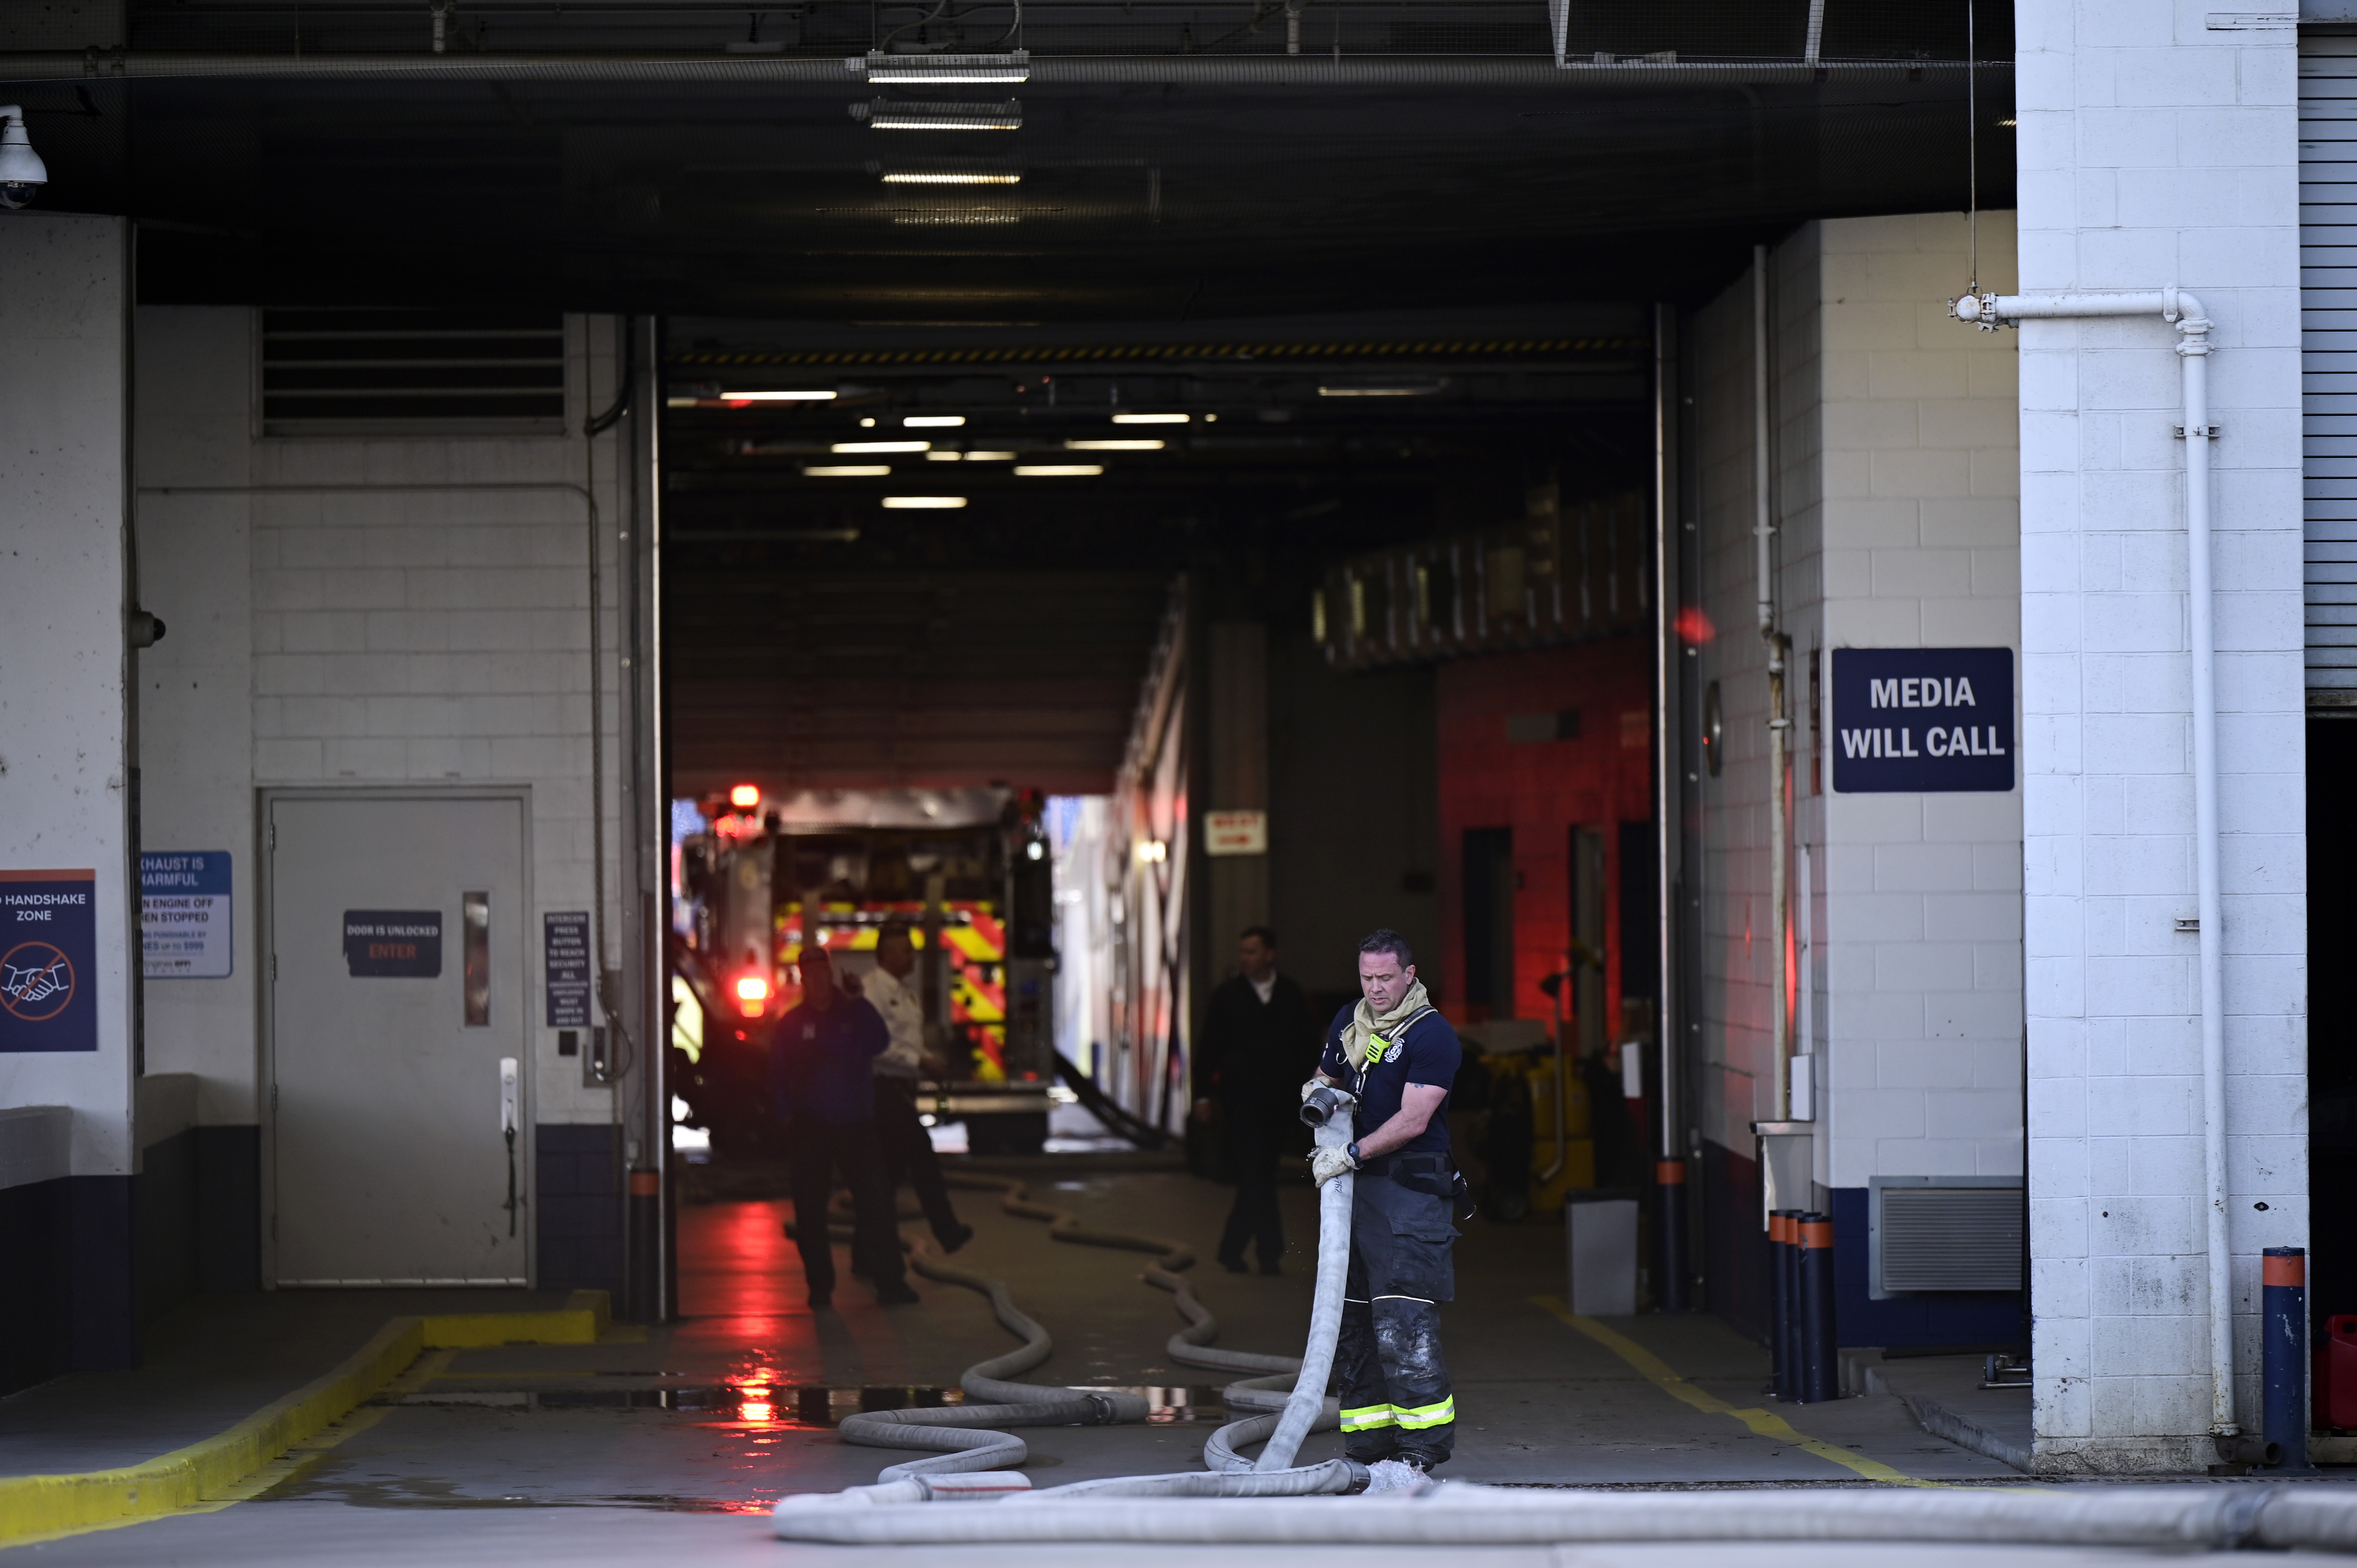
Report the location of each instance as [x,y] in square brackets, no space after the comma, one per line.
[967,871]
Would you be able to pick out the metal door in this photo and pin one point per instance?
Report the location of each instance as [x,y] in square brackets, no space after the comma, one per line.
[396,1004]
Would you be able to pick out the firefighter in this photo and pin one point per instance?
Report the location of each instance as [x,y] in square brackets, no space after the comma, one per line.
[822,1086]
[908,1147]
[1395,1052]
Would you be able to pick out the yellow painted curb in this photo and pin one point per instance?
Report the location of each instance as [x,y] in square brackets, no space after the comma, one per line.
[50,1504]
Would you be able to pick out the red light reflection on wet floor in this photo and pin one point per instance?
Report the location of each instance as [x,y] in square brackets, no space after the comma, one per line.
[741,1294]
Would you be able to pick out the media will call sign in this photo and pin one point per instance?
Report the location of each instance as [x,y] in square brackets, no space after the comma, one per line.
[1922,720]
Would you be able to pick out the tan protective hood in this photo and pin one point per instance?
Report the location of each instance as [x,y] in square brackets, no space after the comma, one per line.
[1364,1023]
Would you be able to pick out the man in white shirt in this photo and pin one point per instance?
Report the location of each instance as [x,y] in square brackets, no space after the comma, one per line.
[908,1147]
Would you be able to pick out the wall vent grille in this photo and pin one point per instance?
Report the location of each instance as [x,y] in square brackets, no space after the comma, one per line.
[1950,1238]
[338,371]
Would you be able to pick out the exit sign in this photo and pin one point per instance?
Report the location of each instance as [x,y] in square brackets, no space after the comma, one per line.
[1235,833]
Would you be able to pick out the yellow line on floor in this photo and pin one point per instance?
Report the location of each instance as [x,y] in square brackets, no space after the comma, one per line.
[215,1470]
[1765,1423]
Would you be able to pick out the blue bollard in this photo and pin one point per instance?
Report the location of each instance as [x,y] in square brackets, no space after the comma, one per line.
[1785,1379]
[2283,1283]
[1820,1339]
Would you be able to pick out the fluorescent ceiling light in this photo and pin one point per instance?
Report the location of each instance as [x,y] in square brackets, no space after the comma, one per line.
[1384,389]
[945,456]
[924,503]
[1151,418]
[972,177]
[968,215]
[920,421]
[1013,66]
[845,470]
[990,457]
[1115,446]
[881,446]
[777,397]
[885,115]
[1058,470]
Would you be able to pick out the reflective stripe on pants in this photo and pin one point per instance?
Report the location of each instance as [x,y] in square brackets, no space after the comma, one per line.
[1397,1400]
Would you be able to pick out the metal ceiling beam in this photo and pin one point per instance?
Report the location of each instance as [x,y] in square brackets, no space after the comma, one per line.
[1237,71]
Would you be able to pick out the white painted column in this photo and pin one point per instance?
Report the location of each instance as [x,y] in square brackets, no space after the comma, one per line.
[64,798]
[65,807]
[2155,151]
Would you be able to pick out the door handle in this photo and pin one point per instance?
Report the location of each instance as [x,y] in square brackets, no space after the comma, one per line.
[508,1131]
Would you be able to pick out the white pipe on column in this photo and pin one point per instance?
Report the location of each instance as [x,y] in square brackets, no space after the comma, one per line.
[2176,305]
[1763,532]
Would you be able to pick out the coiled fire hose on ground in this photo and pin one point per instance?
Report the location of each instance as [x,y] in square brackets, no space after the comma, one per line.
[968,1445]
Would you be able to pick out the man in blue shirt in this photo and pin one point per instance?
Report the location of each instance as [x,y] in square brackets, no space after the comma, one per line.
[822,1086]
[1399,1055]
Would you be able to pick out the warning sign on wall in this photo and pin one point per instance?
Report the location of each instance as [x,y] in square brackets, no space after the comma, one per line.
[49,961]
[184,920]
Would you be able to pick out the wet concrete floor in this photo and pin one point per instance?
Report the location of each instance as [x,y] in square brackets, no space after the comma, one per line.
[672,1443]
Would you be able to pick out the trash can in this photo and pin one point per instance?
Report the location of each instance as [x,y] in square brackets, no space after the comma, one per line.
[1599,1230]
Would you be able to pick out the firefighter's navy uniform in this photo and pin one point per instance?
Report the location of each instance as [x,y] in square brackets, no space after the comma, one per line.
[1396,1400]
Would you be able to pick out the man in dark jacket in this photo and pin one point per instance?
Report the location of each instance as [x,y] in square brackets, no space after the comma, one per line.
[1260,1041]
[822,1086]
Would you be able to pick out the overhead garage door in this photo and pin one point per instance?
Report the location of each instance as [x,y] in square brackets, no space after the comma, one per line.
[2328,247]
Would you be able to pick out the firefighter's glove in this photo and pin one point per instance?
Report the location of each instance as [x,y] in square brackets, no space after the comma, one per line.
[1327,1163]
[1311,1087]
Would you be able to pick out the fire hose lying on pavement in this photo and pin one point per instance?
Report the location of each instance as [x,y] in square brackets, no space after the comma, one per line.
[970,1452]
[1273,1500]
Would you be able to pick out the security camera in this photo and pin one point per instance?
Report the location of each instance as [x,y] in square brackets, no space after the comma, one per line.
[22,173]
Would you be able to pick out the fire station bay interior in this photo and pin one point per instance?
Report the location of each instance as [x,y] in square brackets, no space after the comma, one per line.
[557,546]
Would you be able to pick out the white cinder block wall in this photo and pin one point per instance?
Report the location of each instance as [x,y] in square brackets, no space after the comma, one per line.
[1917,911]
[341,638]
[64,785]
[1894,494]
[2156,151]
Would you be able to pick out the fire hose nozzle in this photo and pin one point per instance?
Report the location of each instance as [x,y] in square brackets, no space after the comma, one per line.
[1318,1106]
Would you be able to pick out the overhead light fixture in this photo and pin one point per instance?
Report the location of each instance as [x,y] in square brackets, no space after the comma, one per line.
[22,173]
[1139,445]
[956,216]
[930,69]
[1058,470]
[1416,388]
[881,446]
[924,503]
[925,421]
[845,470]
[778,397]
[867,424]
[885,115]
[951,176]
[1151,418]
[990,457]
[945,456]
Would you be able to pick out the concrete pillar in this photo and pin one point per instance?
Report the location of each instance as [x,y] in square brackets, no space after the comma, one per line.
[2156,150]
[68,889]
[1235,767]
[1892,468]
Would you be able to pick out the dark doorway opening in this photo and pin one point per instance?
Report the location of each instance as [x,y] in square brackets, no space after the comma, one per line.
[2333,1017]
[1489,923]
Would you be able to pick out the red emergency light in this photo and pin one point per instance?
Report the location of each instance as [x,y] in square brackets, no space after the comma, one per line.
[745,796]
[753,996]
